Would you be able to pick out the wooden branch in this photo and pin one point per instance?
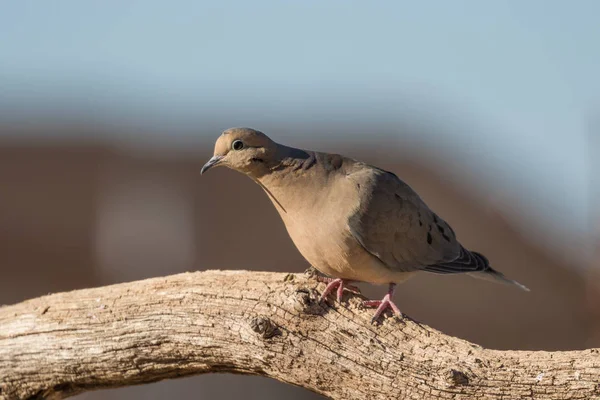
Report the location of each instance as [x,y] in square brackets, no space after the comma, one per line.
[261,324]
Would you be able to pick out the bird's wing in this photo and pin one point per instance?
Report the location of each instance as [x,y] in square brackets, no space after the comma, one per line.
[395,225]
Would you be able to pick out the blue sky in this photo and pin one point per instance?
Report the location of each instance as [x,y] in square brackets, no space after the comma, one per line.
[514,83]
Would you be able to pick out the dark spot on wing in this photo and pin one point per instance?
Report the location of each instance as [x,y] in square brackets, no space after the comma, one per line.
[305,159]
[255,159]
[429,238]
[420,223]
[443,232]
[330,162]
[429,228]
[435,220]
[399,198]
[333,162]
[310,161]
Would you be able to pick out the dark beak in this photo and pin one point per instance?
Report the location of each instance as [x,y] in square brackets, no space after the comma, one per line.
[211,163]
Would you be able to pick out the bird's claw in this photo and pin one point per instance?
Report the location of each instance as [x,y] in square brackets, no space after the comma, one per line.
[333,284]
[340,284]
[382,305]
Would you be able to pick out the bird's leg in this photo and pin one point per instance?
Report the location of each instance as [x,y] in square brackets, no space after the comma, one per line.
[332,284]
[386,302]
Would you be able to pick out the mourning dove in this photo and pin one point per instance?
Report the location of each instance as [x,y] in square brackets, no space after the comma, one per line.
[350,220]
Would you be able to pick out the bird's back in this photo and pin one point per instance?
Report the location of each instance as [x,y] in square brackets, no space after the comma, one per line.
[356,221]
[394,223]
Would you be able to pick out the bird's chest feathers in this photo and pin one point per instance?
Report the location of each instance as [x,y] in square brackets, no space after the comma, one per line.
[317,222]
[318,231]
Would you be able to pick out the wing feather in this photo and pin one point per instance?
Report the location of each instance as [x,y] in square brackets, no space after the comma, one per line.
[394,224]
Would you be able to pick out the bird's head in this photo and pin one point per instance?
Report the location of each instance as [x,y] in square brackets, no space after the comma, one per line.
[245,150]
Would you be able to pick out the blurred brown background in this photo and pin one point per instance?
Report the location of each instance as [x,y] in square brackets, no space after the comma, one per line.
[488,109]
[78,214]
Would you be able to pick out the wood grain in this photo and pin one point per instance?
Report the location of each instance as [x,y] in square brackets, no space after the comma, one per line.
[265,324]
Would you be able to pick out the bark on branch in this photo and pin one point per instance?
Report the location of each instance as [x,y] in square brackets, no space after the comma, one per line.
[260,324]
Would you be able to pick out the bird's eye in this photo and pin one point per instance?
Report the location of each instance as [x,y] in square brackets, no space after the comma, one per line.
[237,145]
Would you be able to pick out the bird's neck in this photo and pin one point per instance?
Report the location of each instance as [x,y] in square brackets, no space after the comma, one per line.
[287,176]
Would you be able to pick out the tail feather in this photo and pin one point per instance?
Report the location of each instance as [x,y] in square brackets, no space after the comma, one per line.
[473,264]
[492,275]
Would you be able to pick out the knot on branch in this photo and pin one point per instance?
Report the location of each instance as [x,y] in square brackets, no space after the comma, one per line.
[340,355]
[264,327]
[456,378]
[311,272]
[307,301]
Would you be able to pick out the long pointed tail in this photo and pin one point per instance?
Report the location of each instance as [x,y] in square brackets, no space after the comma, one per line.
[492,275]
[474,264]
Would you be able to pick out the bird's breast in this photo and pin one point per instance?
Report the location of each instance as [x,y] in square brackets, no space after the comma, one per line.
[323,241]
[321,233]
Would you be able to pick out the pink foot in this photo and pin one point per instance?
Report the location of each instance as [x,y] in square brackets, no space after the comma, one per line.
[383,304]
[332,284]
